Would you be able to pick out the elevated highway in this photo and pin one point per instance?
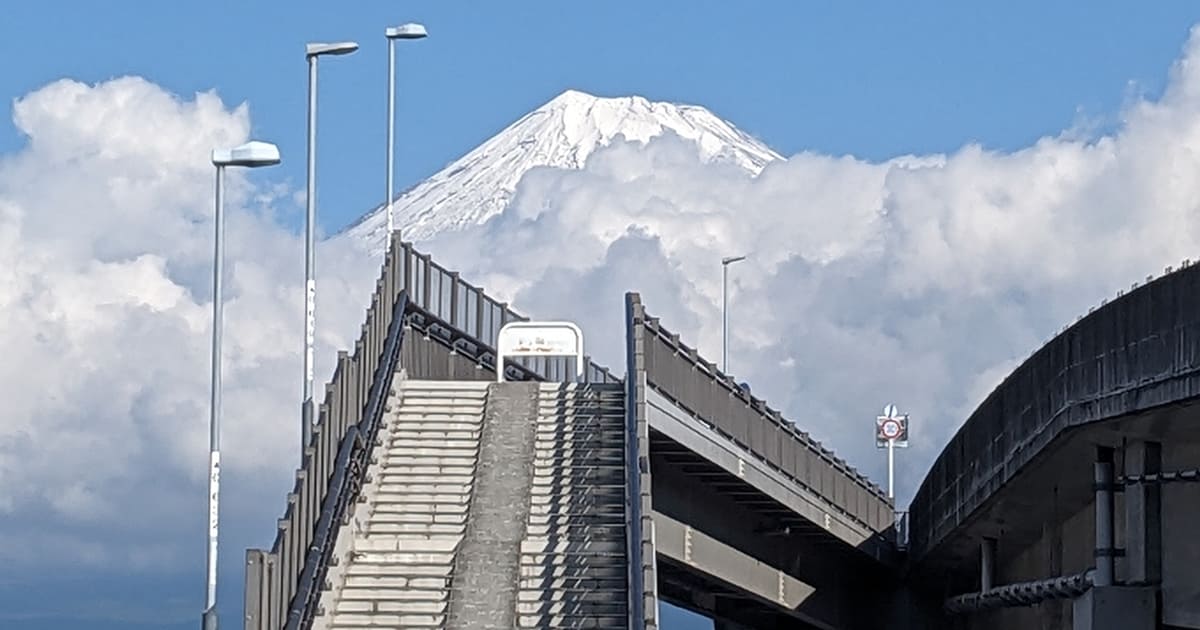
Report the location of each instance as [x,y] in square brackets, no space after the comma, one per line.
[720,504]
[1069,498]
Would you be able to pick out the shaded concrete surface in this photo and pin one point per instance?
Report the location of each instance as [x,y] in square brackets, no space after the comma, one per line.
[484,588]
[1115,608]
[395,552]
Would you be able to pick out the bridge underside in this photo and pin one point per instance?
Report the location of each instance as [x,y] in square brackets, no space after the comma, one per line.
[681,585]
[1043,520]
[729,551]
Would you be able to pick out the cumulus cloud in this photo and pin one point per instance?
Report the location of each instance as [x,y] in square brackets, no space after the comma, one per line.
[106,237]
[921,280]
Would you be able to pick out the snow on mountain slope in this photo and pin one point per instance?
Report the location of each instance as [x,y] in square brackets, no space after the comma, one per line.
[562,133]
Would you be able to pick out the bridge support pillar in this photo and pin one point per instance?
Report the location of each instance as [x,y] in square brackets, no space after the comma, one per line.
[987,564]
[1115,608]
[1143,501]
[1104,518]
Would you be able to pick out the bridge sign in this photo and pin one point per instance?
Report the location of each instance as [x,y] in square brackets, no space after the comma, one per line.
[539,339]
[891,427]
[891,430]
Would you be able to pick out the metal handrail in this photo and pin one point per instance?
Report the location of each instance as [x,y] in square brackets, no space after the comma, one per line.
[353,456]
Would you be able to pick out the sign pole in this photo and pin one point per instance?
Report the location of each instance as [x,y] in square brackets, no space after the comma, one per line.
[891,467]
[891,432]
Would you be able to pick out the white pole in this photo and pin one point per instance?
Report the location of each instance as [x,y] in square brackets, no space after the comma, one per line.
[891,467]
[310,285]
[725,318]
[391,131]
[214,418]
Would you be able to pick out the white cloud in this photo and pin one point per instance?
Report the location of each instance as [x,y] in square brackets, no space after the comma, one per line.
[105,318]
[922,280]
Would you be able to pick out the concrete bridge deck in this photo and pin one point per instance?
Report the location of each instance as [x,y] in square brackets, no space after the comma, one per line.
[1051,494]
[1067,499]
[682,422]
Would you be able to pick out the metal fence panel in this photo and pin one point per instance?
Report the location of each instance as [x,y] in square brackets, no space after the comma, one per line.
[679,373]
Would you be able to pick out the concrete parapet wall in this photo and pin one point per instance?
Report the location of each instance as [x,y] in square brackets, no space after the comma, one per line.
[1129,356]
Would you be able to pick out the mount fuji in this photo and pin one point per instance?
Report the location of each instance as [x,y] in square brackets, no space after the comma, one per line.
[562,133]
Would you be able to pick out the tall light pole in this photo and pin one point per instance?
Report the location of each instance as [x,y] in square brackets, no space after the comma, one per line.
[311,52]
[404,31]
[252,154]
[725,262]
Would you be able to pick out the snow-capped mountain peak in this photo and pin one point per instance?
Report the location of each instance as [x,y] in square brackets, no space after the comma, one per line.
[562,133]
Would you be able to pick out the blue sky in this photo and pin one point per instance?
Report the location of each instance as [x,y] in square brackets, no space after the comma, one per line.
[832,78]
[871,80]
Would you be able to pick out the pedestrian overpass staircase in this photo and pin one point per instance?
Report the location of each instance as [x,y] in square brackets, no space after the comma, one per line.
[489,506]
[447,484]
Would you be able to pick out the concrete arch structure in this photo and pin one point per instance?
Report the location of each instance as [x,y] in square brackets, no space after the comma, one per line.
[1012,499]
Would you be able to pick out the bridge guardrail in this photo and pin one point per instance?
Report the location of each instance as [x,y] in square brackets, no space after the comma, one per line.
[462,306]
[639,526]
[409,281]
[680,373]
[1139,351]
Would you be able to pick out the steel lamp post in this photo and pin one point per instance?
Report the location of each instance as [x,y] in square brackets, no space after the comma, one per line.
[725,262]
[393,33]
[251,155]
[312,52]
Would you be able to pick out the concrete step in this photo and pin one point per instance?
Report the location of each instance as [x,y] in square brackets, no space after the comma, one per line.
[576,520]
[580,545]
[429,450]
[430,485]
[394,491]
[609,532]
[427,413]
[404,462]
[388,620]
[391,510]
[405,544]
[442,435]
[405,558]
[595,623]
[400,468]
[416,529]
[545,509]
[548,572]
[566,491]
[386,475]
[577,583]
[397,585]
[365,605]
[434,425]
[410,573]
[391,592]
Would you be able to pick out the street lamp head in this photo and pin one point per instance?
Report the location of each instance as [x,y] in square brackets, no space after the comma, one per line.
[251,154]
[412,30]
[731,259]
[317,49]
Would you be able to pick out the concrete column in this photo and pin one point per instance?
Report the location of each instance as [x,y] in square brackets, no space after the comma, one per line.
[1143,515]
[1104,517]
[1115,608]
[987,564]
